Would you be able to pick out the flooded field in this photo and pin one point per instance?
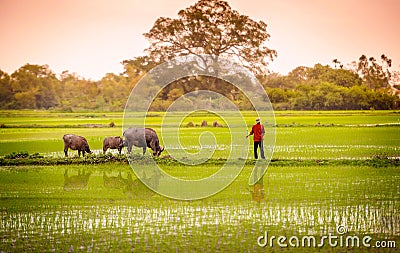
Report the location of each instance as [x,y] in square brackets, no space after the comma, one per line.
[105,208]
[333,186]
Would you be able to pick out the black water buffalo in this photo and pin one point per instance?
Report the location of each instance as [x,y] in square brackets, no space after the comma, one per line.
[142,138]
[113,143]
[75,142]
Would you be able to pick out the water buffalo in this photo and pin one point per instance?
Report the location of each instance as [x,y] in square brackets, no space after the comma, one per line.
[75,142]
[142,138]
[113,143]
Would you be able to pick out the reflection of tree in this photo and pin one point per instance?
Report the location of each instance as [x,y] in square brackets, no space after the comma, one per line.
[76,182]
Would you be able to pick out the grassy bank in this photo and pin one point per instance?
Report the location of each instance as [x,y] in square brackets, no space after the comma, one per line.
[299,135]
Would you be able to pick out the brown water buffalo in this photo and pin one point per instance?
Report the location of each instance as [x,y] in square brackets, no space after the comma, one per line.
[113,143]
[75,142]
[142,138]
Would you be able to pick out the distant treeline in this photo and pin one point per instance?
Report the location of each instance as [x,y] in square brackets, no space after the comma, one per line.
[304,88]
[326,88]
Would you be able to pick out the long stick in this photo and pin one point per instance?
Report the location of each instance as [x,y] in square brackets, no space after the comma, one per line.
[245,144]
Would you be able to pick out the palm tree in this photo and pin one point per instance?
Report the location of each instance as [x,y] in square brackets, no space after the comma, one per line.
[335,61]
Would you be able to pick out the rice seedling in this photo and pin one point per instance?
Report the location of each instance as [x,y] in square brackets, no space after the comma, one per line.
[38,214]
[347,182]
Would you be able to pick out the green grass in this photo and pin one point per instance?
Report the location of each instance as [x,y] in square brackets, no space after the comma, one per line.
[48,119]
[337,117]
[291,143]
[332,169]
[336,142]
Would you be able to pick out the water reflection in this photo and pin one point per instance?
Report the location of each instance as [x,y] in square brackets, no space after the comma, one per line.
[76,182]
[164,223]
[43,222]
[257,192]
[136,188]
[113,182]
[133,188]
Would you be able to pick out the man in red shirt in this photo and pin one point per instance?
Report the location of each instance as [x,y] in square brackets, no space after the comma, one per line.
[258,131]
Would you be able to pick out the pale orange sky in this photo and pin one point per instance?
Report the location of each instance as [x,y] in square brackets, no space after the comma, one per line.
[92,37]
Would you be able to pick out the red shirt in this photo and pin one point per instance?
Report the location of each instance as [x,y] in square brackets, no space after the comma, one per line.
[258,131]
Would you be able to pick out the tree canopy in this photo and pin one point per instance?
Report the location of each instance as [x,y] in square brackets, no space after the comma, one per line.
[211,27]
[375,75]
[304,88]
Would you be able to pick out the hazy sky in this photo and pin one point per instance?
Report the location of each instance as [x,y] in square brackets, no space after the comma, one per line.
[93,37]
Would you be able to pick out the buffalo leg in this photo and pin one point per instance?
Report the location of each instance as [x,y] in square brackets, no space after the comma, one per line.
[66,150]
[151,145]
[144,150]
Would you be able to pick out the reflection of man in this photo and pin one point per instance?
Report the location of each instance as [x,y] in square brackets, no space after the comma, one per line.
[258,193]
[258,131]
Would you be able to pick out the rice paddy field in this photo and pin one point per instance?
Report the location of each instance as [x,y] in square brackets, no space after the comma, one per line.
[333,185]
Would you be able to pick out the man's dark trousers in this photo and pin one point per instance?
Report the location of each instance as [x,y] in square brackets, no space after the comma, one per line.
[256,145]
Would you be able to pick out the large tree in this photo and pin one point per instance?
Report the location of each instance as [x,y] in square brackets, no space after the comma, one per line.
[375,75]
[35,86]
[6,94]
[212,27]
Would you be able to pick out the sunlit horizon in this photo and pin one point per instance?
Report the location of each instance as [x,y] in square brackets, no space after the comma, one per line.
[92,38]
